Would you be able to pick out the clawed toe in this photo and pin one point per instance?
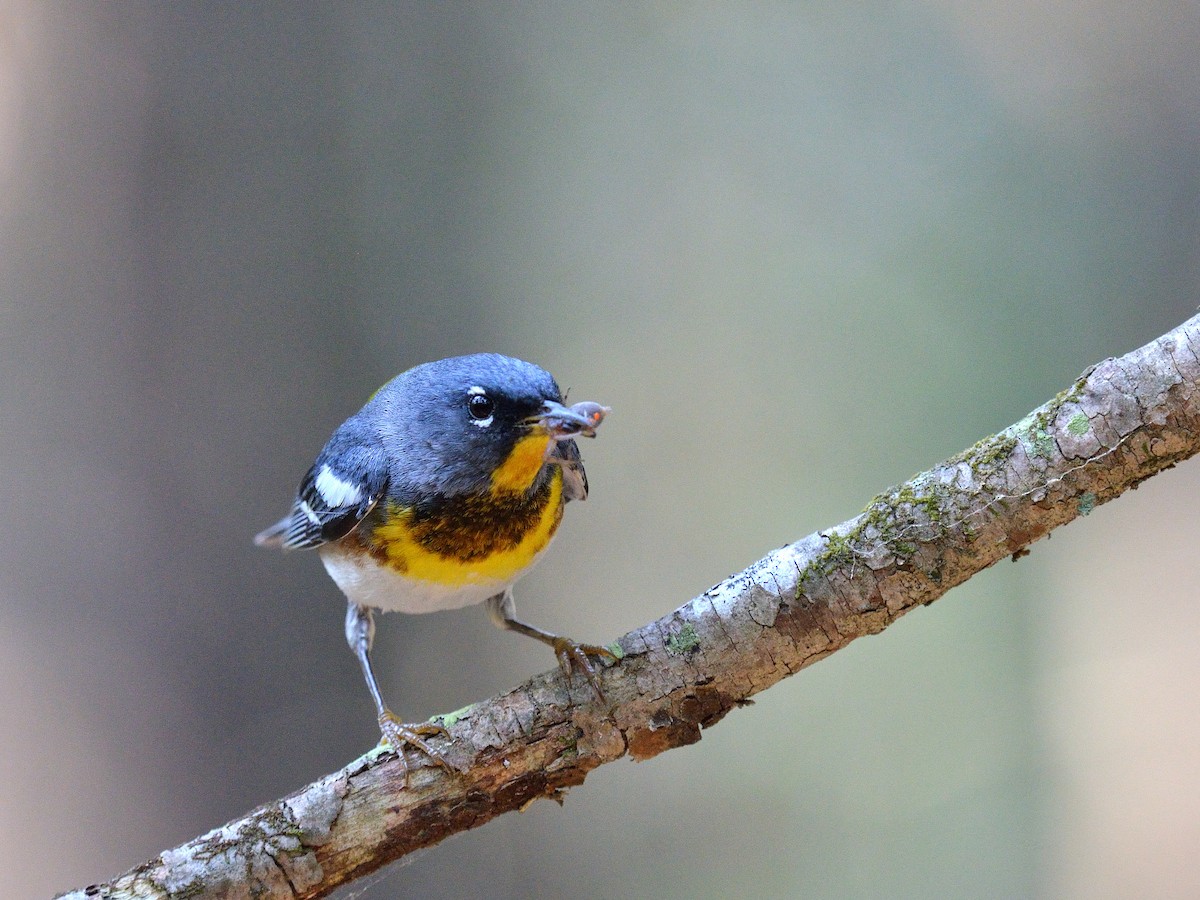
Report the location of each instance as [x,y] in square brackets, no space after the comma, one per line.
[573,657]
[397,734]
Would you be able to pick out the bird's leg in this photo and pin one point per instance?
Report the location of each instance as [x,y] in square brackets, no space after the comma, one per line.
[360,632]
[572,656]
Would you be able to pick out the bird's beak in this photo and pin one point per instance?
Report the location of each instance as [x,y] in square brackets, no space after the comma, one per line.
[563,422]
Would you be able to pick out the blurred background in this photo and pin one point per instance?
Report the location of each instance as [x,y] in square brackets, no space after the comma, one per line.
[803,250]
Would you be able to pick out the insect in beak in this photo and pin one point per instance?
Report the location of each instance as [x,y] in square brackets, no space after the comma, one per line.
[563,422]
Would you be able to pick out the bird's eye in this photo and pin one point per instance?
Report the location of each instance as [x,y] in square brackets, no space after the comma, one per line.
[480,406]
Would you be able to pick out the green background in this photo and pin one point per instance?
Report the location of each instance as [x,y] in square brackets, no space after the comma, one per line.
[803,250]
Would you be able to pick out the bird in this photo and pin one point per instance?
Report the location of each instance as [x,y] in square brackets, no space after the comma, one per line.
[440,493]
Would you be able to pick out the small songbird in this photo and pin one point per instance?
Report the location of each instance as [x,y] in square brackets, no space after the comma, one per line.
[441,492]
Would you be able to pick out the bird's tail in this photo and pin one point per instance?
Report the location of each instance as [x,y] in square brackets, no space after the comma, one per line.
[273,536]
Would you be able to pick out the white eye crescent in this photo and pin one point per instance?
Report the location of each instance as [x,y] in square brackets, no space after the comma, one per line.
[480,407]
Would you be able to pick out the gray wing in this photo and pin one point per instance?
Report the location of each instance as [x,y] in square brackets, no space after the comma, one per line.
[344,484]
[575,485]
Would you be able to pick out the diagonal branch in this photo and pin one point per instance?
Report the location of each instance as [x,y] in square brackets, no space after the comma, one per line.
[1121,422]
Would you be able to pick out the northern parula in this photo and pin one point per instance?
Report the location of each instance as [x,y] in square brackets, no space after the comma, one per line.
[441,492]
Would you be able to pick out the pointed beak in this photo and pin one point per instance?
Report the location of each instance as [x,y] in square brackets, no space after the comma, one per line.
[563,422]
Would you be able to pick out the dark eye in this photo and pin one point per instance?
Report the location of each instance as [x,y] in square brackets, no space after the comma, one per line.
[480,406]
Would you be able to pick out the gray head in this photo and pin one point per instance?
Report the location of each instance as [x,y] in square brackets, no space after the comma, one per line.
[450,425]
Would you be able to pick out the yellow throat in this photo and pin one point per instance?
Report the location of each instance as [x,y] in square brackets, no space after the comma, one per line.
[491,537]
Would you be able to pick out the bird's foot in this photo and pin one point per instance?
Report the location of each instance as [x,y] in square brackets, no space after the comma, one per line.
[573,657]
[397,734]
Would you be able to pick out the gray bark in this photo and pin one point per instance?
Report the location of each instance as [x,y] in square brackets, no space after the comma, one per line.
[1121,422]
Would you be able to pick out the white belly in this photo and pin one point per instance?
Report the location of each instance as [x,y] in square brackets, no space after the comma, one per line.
[367,583]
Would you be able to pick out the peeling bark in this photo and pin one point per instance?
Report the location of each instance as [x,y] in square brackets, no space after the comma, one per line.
[1121,422]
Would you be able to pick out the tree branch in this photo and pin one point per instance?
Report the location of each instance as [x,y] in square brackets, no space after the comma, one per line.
[1121,422]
